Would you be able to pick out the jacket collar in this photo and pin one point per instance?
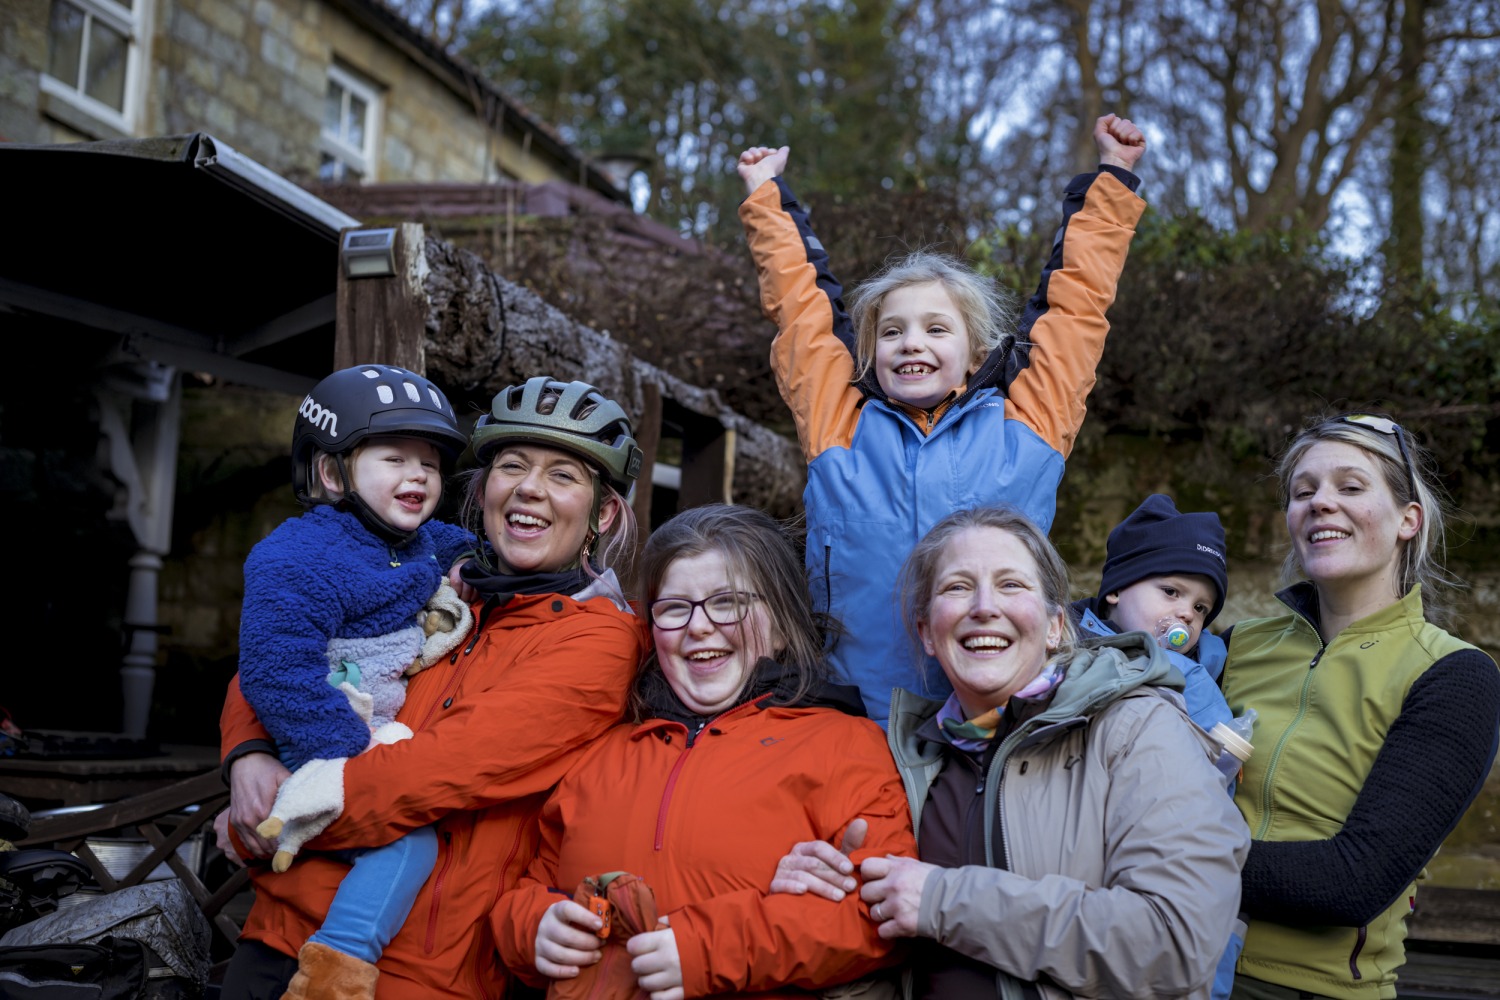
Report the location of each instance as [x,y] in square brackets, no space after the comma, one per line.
[522,610]
[773,687]
[1101,671]
[1302,598]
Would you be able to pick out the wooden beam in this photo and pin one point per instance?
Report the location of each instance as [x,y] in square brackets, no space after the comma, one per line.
[128,812]
[707,463]
[648,436]
[382,320]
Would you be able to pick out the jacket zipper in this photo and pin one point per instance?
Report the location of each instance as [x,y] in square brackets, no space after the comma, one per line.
[666,795]
[437,892]
[828,580]
[692,740]
[1302,707]
[1359,946]
[515,845]
[1000,815]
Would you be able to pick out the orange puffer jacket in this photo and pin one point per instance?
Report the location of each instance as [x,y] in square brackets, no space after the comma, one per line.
[704,821]
[495,727]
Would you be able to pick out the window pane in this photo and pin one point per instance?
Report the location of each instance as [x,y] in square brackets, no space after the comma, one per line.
[333,108]
[105,79]
[355,136]
[329,168]
[65,37]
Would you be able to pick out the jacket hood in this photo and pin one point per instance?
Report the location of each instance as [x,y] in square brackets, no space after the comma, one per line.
[521,610]
[773,686]
[1102,670]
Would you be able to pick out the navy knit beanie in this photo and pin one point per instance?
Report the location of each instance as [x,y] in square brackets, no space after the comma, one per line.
[1158,540]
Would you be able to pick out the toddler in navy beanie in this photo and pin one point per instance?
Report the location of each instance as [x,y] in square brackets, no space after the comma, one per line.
[1163,564]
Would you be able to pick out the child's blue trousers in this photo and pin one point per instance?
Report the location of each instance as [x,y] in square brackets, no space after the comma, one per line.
[375,897]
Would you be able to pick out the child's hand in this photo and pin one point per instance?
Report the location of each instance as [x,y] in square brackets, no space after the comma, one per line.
[567,939]
[656,962]
[1119,142]
[759,164]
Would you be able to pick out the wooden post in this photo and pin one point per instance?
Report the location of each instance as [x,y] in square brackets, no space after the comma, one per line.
[707,462]
[383,320]
[648,437]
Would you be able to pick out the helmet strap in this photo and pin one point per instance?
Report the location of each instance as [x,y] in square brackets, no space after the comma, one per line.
[592,537]
[355,504]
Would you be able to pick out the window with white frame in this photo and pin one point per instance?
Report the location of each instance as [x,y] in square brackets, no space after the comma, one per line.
[351,115]
[93,57]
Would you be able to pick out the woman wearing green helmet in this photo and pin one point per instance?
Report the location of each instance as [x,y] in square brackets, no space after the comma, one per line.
[553,455]
[545,671]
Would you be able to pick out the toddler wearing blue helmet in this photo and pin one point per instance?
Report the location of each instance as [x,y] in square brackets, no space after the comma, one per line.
[341,605]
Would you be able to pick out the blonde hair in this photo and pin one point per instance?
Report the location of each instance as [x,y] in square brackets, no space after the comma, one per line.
[987,310]
[613,548]
[1424,556]
[921,568]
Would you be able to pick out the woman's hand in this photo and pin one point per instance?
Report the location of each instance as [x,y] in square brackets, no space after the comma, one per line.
[222,841]
[816,866]
[254,780]
[893,888]
[567,939]
[465,593]
[655,962]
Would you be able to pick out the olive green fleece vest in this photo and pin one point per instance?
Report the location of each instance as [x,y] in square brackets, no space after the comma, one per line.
[1318,732]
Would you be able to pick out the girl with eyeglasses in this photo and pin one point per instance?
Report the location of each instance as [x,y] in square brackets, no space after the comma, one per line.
[1376,726]
[738,746]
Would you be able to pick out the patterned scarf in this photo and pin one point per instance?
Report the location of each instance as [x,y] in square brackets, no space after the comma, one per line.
[973,735]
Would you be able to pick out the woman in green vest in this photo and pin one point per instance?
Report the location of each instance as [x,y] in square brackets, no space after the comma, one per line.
[1376,726]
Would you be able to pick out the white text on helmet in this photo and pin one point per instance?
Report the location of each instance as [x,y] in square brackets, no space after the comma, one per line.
[319,416]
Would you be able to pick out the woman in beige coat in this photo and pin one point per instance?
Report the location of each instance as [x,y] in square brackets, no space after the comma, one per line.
[1074,835]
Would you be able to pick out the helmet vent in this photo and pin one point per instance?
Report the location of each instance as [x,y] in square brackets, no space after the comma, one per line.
[411,392]
[386,396]
[436,399]
[370,373]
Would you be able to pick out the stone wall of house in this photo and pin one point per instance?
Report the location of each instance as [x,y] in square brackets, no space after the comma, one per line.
[255,75]
[23,55]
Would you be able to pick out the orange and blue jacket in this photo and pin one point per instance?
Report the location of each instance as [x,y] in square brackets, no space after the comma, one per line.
[704,817]
[496,725]
[880,474]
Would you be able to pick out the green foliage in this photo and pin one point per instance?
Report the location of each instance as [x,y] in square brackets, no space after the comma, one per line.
[685,85]
[1234,340]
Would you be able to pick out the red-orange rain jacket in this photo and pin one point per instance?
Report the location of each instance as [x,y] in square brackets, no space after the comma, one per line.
[495,728]
[704,821]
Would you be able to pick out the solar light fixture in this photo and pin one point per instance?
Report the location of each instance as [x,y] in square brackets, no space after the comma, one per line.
[369,253]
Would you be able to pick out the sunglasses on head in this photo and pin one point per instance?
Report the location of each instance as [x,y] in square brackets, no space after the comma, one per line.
[1385,425]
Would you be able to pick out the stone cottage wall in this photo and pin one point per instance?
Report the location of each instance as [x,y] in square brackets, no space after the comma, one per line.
[255,75]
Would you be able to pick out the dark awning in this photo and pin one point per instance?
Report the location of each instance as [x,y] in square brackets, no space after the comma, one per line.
[195,256]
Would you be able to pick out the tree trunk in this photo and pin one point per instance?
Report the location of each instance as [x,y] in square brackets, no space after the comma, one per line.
[484,333]
[1408,152]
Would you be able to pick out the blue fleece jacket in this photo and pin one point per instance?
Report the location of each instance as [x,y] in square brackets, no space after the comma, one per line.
[314,581]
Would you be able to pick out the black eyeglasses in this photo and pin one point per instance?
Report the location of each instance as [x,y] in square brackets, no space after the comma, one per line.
[1385,425]
[728,608]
